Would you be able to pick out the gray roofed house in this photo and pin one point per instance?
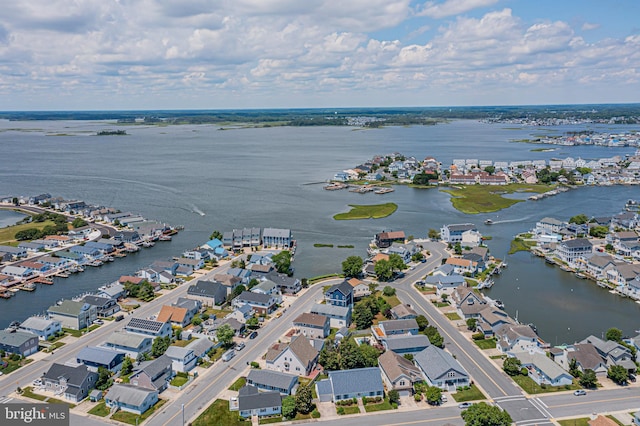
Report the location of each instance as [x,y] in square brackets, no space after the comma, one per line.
[155,374]
[339,294]
[209,293]
[149,327]
[18,342]
[543,370]
[285,283]
[399,373]
[200,347]
[113,290]
[441,369]
[407,343]
[105,306]
[131,398]
[132,344]
[184,359]
[261,303]
[272,381]
[73,315]
[251,402]
[403,311]
[612,352]
[516,338]
[299,356]
[95,356]
[74,382]
[339,316]
[348,384]
[404,326]
[312,325]
[276,237]
[192,305]
[42,327]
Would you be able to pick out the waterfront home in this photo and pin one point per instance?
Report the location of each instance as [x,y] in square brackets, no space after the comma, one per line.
[260,303]
[267,380]
[406,343]
[385,239]
[19,272]
[183,359]
[299,356]
[599,264]
[573,251]
[105,306]
[70,257]
[148,327]
[398,373]
[264,259]
[209,293]
[388,328]
[273,237]
[626,220]
[31,247]
[86,252]
[360,288]
[72,314]
[613,353]
[43,327]
[155,374]
[285,283]
[103,248]
[462,266]
[198,254]
[452,233]
[339,316]
[176,316]
[542,370]
[130,398]
[15,252]
[586,356]
[164,265]
[252,402]
[54,262]
[34,266]
[266,287]
[73,382]
[133,345]
[548,225]
[112,291]
[190,264]
[623,274]
[18,342]
[403,312]
[440,369]
[517,338]
[313,326]
[445,284]
[465,296]
[94,357]
[339,294]
[349,384]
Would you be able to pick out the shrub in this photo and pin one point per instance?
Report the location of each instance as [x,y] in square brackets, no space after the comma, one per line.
[417,397]
[315,413]
[364,400]
[340,411]
[254,364]
[394,405]
[524,371]
[478,336]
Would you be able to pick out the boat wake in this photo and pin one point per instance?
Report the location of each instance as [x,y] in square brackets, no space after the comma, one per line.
[195,209]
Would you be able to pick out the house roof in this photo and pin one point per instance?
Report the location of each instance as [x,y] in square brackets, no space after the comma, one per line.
[189,304]
[345,382]
[391,235]
[129,278]
[154,367]
[577,243]
[344,287]
[200,346]
[435,362]
[602,421]
[266,286]
[172,313]
[460,227]
[96,300]
[380,256]
[299,346]
[177,352]
[407,341]
[250,399]
[354,282]
[37,323]
[250,297]
[400,324]
[227,279]
[146,325]
[98,355]
[330,310]
[314,320]
[586,355]
[402,310]
[132,395]
[75,375]
[542,363]
[395,365]
[127,340]
[514,331]
[272,378]
[212,289]
[69,307]
[15,338]
[600,260]
[455,261]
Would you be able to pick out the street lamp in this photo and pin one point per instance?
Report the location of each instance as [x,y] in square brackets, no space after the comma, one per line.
[182,414]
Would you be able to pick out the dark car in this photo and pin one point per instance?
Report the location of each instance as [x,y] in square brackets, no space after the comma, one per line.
[253,335]
[632,378]
[119,317]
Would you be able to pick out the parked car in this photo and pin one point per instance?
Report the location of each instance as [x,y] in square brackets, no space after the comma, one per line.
[240,346]
[632,378]
[580,392]
[253,335]
[119,317]
[465,405]
[98,322]
[228,355]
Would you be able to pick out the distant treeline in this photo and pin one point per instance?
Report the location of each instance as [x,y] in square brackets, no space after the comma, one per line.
[339,116]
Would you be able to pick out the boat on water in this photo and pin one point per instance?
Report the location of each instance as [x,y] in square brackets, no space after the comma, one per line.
[108,258]
[148,244]
[29,286]
[63,274]
[383,190]
[499,304]
[580,275]
[488,222]
[164,237]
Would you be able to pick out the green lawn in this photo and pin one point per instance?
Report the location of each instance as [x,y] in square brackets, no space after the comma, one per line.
[100,410]
[486,343]
[473,199]
[381,406]
[373,211]
[13,365]
[8,234]
[134,419]
[471,394]
[182,343]
[519,244]
[393,301]
[238,384]
[276,419]
[453,316]
[354,409]
[440,304]
[179,381]
[528,385]
[583,421]
[27,392]
[74,333]
[218,414]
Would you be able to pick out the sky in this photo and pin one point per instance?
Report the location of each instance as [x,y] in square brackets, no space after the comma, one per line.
[231,54]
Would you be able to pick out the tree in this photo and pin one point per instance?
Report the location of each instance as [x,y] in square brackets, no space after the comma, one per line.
[159,346]
[614,334]
[394,396]
[512,366]
[417,257]
[396,262]
[253,323]
[78,222]
[238,291]
[388,291]
[352,266]
[104,379]
[573,368]
[370,355]
[434,336]
[282,261]
[618,374]
[471,324]
[350,355]
[457,249]
[362,316]
[422,321]
[588,379]
[433,234]
[579,219]
[599,231]
[433,395]
[225,334]
[483,414]
[127,366]
[383,270]
[490,169]
[216,234]
[289,407]
[252,283]
[304,398]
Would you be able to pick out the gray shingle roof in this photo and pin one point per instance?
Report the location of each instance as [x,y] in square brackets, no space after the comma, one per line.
[132,395]
[156,366]
[69,307]
[74,375]
[259,400]
[395,365]
[344,287]
[577,243]
[98,355]
[311,320]
[16,338]
[405,324]
[404,342]
[345,382]
[435,362]
[271,378]
[330,310]
[129,340]
[37,323]
[250,297]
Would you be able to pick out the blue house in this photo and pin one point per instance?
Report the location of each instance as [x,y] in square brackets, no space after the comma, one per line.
[340,294]
[94,357]
[213,244]
[348,384]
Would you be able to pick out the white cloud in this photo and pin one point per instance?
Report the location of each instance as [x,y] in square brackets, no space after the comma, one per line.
[452,7]
[587,26]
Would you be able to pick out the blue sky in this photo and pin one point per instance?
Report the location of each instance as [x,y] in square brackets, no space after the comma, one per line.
[198,54]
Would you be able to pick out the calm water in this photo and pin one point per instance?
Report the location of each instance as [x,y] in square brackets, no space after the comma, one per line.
[207,179]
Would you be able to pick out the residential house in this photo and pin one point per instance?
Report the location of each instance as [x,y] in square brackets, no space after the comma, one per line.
[349,384]
[261,303]
[339,316]
[183,359]
[489,321]
[190,264]
[15,252]
[572,251]
[398,373]
[162,265]
[339,294]
[623,274]
[19,272]
[241,313]
[18,342]
[388,328]
[586,356]
[313,326]
[602,421]
[360,288]
[228,280]
[385,239]
[193,306]
[72,314]
[155,374]
[549,225]
[31,246]
[94,357]
[613,353]
[297,357]
[452,233]
[200,347]
[406,343]
[517,338]
[175,315]
[112,291]
[267,380]
[403,312]
[266,287]
[273,237]
[105,306]
[237,326]
[150,328]
[208,293]
[252,402]
[133,345]
[598,264]
[285,283]
[130,398]
[471,238]
[35,267]
[445,284]
[542,369]
[41,326]
[73,382]
[462,266]
[440,369]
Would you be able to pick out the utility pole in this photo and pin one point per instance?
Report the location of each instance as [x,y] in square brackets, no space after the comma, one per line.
[182,414]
